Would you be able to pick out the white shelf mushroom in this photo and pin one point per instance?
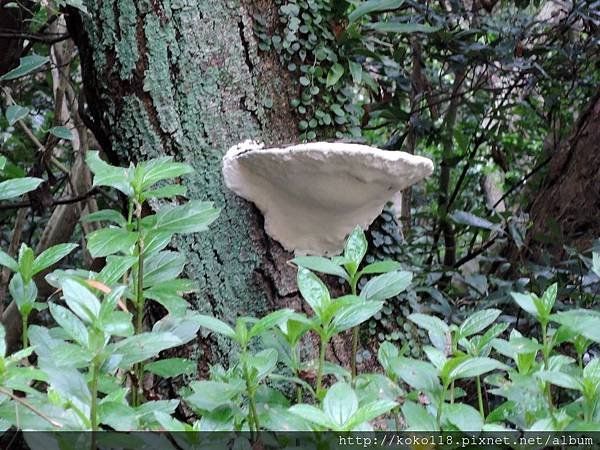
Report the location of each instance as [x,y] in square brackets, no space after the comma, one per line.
[313,195]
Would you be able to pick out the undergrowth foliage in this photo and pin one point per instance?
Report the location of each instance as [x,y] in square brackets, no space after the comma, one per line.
[88,371]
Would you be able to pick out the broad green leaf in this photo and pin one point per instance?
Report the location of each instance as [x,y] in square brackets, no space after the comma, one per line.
[215,325]
[115,268]
[80,300]
[320,264]
[171,367]
[549,297]
[526,302]
[386,354]
[464,417]
[70,323]
[23,293]
[192,217]
[592,370]
[26,258]
[70,384]
[404,28]
[340,403]
[27,64]
[117,323]
[18,186]
[263,362]
[169,191]
[314,415]
[269,321]
[596,263]
[209,395]
[61,133]
[313,291]
[381,267]
[160,169]
[371,6]
[334,74]
[429,323]
[417,418]
[478,322]
[163,266]
[118,416]
[106,215]
[369,412]
[108,241]
[142,346]
[560,379]
[51,256]
[7,261]
[582,321]
[111,176]
[14,113]
[355,71]
[474,367]
[437,357]
[355,249]
[417,374]
[354,314]
[2,162]
[386,286]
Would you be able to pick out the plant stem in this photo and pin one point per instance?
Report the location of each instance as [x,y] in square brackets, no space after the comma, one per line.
[320,368]
[253,416]
[94,406]
[438,416]
[452,393]
[545,354]
[139,302]
[24,338]
[354,340]
[480,397]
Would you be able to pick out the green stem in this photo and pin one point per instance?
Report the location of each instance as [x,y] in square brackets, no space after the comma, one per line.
[93,408]
[480,397]
[139,302]
[24,338]
[438,416]
[452,393]
[322,351]
[545,354]
[354,340]
[253,416]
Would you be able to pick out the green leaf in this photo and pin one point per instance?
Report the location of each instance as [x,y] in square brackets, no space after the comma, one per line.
[18,186]
[548,298]
[525,301]
[70,323]
[313,415]
[354,314]
[142,346]
[313,291]
[335,73]
[7,261]
[429,323]
[478,321]
[23,293]
[61,133]
[106,215]
[583,321]
[214,324]
[2,341]
[404,28]
[118,416]
[464,417]
[171,367]
[51,256]
[560,379]
[192,217]
[80,300]
[355,71]
[263,363]
[2,162]
[369,412]
[111,176]
[160,169]
[466,218]
[209,395]
[381,267]
[417,418]
[27,64]
[108,241]
[270,321]
[14,113]
[386,286]
[70,384]
[372,6]
[386,354]
[26,258]
[355,249]
[169,191]
[163,266]
[115,268]
[417,374]
[320,264]
[340,403]
[474,367]
[596,263]
[117,323]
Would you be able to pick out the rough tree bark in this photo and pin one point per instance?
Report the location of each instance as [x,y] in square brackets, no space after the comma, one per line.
[185,78]
[568,201]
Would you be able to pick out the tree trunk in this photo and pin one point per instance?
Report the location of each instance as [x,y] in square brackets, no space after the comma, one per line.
[566,210]
[185,78]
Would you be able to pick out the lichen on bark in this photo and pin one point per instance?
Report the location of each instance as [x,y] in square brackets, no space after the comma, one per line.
[184,78]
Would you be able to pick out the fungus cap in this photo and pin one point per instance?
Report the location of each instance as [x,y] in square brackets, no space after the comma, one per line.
[313,195]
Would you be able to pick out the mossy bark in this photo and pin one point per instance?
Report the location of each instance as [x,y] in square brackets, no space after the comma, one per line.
[185,78]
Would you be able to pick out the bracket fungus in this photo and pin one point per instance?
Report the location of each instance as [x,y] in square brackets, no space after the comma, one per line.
[313,195]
